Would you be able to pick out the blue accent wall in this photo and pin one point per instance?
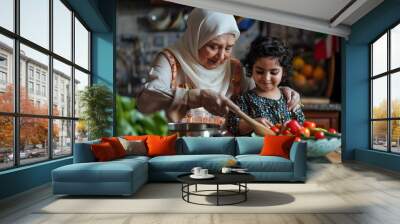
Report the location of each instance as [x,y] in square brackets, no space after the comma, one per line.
[100,17]
[355,90]
[24,178]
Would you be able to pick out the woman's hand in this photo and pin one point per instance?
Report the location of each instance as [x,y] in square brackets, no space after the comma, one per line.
[292,97]
[213,102]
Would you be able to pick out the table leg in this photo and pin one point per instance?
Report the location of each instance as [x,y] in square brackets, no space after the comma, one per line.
[196,188]
[217,194]
[245,191]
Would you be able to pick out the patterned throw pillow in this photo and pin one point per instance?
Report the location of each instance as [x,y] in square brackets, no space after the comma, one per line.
[134,147]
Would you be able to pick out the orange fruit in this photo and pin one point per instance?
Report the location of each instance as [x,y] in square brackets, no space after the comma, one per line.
[319,73]
[298,63]
[299,80]
[307,70]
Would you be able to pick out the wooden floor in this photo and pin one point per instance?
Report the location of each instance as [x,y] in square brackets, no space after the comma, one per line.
[377,188]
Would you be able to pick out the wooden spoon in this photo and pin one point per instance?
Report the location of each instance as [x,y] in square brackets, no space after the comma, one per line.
[258,128]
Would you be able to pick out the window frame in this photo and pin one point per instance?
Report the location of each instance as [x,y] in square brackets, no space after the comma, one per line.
[388,74]
[16,114]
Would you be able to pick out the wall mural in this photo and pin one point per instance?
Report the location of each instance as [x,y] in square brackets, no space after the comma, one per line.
[146,28]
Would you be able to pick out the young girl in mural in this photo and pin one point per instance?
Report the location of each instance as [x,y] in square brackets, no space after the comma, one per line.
[268,64]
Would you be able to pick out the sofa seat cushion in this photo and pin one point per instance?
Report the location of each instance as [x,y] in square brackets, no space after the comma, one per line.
[185,163]
[257,163]
[133,158]
[111,171]
[206,145]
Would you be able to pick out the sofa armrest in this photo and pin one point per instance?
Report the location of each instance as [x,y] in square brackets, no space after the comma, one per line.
[83,152]
[298,156]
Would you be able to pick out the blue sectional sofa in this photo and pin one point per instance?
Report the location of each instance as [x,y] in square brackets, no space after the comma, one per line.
[125,176]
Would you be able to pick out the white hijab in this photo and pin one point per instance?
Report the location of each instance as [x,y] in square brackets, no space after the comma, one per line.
[203,26]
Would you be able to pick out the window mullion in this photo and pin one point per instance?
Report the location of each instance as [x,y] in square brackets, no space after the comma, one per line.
[16,84]
[50,87]
[371,89]
[73,82]
[389,106]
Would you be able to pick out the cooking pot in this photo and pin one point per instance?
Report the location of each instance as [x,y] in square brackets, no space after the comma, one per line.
[196,129]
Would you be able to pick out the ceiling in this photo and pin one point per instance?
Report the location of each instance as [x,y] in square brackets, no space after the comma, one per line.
[326,16]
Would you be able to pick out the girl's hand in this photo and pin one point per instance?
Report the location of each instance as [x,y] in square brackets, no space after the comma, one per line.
[264,121]
[292,97]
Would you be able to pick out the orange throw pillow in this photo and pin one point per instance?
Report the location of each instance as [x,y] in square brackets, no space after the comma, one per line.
[103,151]
[135,138]
[161,145]
[116,145]
[277,146]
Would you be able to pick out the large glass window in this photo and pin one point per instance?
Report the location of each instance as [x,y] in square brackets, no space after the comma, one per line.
[47,81]
[30,57]
[62,29]
[81,45]
[35,21]
[385,95]
[62,72]
[7,14]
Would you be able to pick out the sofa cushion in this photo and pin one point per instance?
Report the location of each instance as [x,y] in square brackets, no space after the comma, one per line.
[203,145]
[103,152]
[116,145]
[249,145]
[111,171]
[83,152]
[134,147]
[277,146]
[257,163]
[161,145]
[185,163]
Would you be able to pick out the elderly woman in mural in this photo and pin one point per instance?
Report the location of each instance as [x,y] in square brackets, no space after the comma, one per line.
[190,79]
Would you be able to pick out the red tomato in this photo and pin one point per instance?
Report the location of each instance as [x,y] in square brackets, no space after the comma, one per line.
[293,125]
[309,124]
[332,130]
[319,135]
[275,129]
[297,139]
[286,132]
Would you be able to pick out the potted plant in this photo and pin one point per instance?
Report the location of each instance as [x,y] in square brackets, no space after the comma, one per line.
[96,102]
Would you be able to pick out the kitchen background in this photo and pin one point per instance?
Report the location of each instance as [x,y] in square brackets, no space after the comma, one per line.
[146,27]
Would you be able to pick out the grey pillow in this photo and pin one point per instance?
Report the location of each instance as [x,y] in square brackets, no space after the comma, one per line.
[133,147]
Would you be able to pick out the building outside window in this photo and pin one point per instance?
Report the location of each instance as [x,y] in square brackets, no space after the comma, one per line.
[30,87]
[30,72]
[37,75]
[43,90]
[43,78]
[3,71]
[3,61]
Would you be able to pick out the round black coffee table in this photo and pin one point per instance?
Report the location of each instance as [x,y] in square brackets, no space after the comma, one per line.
[238,179]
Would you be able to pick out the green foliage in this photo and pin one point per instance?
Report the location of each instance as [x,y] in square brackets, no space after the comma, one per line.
[96,102]
[131,122]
